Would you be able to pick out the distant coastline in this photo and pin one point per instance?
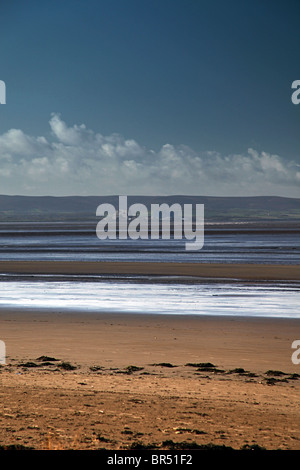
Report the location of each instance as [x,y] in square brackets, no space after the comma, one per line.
[83,208]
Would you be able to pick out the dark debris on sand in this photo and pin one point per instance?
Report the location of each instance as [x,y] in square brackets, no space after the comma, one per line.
[201,369]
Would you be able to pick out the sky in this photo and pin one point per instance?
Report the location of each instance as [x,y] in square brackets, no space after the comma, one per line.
[149,97]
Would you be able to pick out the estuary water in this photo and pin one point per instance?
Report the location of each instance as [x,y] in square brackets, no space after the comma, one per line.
[167,296]
[223,243]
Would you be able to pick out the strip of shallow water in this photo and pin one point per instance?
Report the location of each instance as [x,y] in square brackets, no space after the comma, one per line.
[281,300]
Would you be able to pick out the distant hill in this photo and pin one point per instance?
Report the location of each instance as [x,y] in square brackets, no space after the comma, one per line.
[44,208]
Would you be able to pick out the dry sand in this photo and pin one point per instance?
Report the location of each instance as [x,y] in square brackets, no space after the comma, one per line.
[103,403]
[144,380]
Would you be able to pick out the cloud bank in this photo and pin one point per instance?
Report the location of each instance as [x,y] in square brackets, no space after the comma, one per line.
[79,161]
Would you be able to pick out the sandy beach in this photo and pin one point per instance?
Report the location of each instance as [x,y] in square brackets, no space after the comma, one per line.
[78,380]
[90,381]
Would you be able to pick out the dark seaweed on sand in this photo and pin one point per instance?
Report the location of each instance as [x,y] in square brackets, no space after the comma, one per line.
[163,364]
[47,359]
[200,364]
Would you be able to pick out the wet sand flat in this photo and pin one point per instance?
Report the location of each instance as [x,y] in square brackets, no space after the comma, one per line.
[238,271]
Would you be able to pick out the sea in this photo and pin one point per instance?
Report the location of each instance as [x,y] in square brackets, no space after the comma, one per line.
[257,243]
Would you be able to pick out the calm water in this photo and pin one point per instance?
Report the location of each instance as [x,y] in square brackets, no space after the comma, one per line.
[238,243]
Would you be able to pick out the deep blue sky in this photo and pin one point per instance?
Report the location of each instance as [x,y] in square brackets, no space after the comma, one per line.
[210,75]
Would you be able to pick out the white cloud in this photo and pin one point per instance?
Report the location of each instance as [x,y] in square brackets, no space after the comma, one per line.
[79,161]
